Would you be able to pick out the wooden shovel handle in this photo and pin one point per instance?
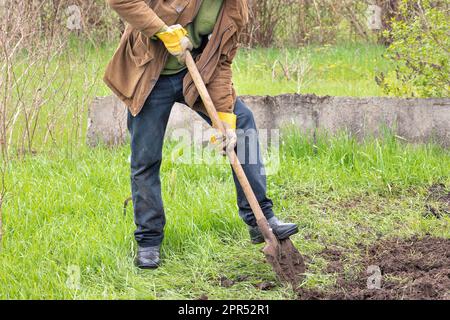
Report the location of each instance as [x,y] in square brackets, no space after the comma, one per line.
[236,165]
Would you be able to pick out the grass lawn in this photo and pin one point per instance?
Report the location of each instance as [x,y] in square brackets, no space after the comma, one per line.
[343,70]
[66,211]
[346,70]
[63,210]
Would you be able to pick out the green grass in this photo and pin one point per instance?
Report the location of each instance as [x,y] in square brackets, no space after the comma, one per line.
[342,70]
[64,204]
[345,70]
[67,210]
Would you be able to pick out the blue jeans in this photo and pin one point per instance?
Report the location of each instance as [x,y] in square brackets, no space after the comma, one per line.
[147,131]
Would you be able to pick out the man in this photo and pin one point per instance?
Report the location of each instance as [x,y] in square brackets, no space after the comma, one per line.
[148,74]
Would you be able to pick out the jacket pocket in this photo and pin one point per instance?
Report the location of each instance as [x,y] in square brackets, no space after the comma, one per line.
[139,52]
[128,65]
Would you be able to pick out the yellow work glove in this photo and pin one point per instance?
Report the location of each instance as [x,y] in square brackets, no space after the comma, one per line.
[226,143]
[176,41]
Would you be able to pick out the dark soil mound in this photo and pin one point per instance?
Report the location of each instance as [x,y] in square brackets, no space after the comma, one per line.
[410,269]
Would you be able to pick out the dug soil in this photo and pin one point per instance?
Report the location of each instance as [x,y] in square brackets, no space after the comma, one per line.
[410,269]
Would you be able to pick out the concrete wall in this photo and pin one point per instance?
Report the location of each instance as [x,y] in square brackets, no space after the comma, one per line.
[415,120]
[107,122]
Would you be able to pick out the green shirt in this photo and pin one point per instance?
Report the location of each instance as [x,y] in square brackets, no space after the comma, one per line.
[203,25]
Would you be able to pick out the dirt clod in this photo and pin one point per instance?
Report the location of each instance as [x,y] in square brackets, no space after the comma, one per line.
[265,286]
[242,278]
[225,282]
[333,257]
[410,269]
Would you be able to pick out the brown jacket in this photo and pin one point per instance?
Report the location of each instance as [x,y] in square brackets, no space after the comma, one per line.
[139,60]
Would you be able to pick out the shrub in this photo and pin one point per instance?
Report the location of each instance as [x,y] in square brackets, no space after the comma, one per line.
[420,50]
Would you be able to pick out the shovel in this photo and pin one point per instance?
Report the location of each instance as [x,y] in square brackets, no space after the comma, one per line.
[284,258]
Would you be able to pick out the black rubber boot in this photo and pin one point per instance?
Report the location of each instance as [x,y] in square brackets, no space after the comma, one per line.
[280,229]
[147,257]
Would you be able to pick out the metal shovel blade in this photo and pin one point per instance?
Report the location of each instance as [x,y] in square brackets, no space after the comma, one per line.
[286,261]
